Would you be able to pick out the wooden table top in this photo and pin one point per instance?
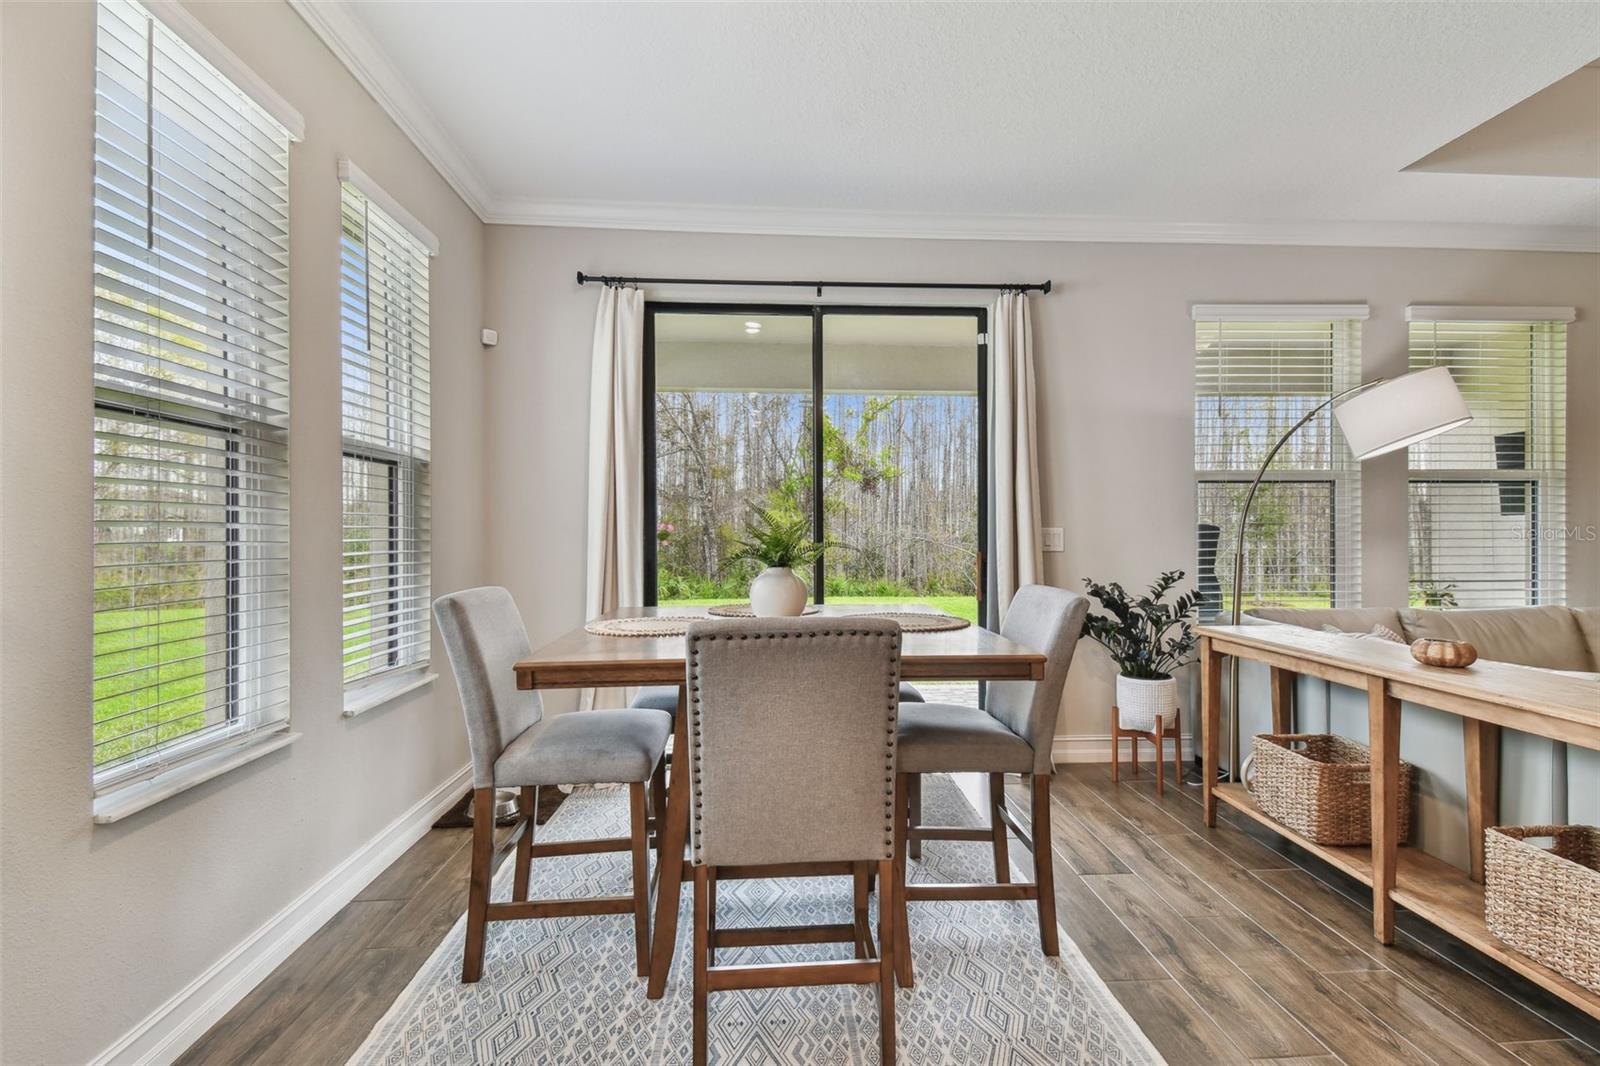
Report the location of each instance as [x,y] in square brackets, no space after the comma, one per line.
[1542,692]
[581,659]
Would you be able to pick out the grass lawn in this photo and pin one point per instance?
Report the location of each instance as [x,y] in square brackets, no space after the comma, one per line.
[960,606]
[149,677]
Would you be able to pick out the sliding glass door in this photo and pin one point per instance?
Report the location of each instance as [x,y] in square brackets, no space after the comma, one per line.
[892,474]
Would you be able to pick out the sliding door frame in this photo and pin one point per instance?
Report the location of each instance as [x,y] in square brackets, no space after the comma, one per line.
[818,313]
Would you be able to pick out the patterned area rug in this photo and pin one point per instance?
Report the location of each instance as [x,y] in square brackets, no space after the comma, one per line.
[563,990]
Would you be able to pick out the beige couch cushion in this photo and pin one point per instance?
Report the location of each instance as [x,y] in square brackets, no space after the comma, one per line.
[1547,637]
[1349,619]
[1589,622]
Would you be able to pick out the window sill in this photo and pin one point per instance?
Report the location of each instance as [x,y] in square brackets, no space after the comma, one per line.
[366,697]
[133,798]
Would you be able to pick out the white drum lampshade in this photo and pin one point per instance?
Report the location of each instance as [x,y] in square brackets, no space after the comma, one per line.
[1401,412]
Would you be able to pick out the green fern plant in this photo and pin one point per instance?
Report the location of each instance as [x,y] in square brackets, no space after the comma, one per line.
[776,537]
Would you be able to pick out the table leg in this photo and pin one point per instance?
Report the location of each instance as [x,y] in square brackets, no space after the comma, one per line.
[1282,700]
[673,836]
[1383,726]
[1481,741]
[1210,724]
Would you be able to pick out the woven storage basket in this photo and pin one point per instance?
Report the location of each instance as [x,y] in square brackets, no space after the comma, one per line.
[1321,786]
[1546,904]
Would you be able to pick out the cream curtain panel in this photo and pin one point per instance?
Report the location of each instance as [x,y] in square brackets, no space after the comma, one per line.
[1013,456]
[615,554]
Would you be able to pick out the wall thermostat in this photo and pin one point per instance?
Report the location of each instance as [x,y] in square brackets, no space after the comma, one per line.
[490,338]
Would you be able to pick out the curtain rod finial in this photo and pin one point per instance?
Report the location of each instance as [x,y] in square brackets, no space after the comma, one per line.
[581,278]
[1045,289]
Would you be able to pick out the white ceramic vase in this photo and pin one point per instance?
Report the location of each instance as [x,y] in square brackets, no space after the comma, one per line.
[777,592]
[1140,702]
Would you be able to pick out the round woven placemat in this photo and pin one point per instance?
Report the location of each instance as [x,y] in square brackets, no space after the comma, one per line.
[919,621]
[742,610]
[652,626]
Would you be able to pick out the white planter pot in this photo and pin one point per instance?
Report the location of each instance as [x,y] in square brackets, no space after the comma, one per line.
[777,592]
[1140,702]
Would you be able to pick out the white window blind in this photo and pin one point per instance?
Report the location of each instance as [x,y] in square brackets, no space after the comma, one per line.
[384,328]
[1488,500]
[1257,372]
[191,369]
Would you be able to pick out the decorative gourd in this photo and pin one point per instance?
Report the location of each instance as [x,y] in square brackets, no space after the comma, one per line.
[1455,654]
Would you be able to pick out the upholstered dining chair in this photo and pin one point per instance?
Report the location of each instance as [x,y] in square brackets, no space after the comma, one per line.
[515,747]
[1011,733]
[792,760]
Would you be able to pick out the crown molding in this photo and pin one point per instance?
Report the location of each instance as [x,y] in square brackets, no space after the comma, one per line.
[344,35]
[1064,228]
[355,48]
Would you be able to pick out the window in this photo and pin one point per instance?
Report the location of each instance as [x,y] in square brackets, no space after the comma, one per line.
[191,367]
[1258,371]
[893,475]
[384,343]
[1488,500]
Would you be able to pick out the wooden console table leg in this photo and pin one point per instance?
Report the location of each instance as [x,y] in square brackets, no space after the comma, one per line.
[1481,743]
[1282,700]
[1383,725]
[1210,723]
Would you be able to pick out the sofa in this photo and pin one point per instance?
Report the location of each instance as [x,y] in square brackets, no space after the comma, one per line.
[1541,781]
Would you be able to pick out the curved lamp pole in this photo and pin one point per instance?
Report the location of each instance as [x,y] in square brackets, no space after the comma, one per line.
[1237,614]
[1408,409]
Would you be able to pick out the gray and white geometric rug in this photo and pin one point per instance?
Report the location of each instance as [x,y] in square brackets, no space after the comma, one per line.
[563,990]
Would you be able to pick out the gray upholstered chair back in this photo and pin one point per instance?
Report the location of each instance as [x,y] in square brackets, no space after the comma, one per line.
[1048,620]
[792,739]
[484,637]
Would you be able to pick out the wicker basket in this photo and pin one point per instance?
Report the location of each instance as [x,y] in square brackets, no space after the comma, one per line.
[1546,904]
[1320,786]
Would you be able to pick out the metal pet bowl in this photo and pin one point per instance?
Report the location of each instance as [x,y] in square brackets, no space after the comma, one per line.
[506,808]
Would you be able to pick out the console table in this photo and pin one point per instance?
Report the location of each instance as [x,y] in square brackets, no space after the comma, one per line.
[1486,697]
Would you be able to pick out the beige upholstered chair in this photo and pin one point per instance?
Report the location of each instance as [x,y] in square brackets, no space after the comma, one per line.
[1010,734]
[792,760]
[515,747]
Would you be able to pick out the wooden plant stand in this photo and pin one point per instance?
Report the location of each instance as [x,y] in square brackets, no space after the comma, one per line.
[1156,736]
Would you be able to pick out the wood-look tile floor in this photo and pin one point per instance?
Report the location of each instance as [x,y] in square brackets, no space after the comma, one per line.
[1225,945]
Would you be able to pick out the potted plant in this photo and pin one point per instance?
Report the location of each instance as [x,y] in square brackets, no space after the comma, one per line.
[1149,638]
[778,540]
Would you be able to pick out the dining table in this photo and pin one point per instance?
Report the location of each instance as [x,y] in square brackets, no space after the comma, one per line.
[582,659]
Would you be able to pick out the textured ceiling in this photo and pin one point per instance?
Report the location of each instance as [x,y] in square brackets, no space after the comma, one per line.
[1184,113]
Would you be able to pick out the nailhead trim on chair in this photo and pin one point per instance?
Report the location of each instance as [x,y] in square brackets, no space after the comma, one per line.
[890,733]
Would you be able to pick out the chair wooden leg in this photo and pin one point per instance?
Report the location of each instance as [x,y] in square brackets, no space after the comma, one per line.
[863,889]
[702,918]
[888,950]
[896,890]
[639,844]
[997,801]
[711,916]
[1044,865]
[914,807]
[658,803]
[529,804]
[478,887]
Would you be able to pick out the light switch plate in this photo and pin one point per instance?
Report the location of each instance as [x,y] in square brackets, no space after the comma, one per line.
[1052,540]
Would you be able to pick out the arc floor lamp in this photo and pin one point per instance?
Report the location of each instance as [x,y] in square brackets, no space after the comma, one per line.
[1376,417]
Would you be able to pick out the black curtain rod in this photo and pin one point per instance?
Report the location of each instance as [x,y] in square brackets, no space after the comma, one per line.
[613,279]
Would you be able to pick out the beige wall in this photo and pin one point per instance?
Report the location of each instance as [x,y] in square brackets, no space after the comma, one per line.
[100,925]
[1115,380]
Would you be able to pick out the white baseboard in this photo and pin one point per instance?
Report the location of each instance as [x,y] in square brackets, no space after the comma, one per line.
[172,1027]
[1096,747]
